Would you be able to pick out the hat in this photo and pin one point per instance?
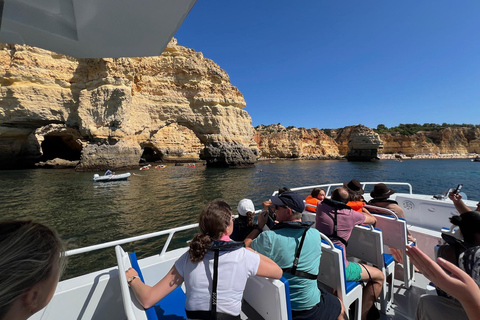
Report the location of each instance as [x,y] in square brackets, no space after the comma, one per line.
[290,199]
[244,206]
[381,191]
[353,186]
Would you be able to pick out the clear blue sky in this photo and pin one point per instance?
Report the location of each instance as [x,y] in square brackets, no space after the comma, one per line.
[332,63]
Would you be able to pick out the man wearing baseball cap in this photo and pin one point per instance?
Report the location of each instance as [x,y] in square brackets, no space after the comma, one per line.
[281,244]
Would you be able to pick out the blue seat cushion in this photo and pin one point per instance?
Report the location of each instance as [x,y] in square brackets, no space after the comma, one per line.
[172,307]
[387,258]
[349,285]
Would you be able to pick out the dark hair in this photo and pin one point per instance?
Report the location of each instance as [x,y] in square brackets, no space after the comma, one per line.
[213,221]
[315,192]
[340,194]
[469,223]
[29,252]
[355,196]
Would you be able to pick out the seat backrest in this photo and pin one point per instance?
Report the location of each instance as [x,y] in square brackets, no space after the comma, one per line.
[133,309]
[332,270]
[366,244]
[309,216]
[394,231]
[172,305]
[270,298]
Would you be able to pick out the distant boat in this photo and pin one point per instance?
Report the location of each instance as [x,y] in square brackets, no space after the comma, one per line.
[111,177]
[477,159]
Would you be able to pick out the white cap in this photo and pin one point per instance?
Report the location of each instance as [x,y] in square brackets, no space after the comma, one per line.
[244,206]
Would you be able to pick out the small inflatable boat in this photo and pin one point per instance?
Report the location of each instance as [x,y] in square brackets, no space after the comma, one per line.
[111,177]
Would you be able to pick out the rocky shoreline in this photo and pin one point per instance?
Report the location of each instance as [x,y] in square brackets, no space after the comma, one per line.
[428,156]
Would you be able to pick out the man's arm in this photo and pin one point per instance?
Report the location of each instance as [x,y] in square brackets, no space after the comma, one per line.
[458,202]
[262,220]
[369,218]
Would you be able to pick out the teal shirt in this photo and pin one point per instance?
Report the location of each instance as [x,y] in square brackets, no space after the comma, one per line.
[280,246]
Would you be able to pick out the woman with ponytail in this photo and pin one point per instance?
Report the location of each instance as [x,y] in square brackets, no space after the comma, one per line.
[196,268]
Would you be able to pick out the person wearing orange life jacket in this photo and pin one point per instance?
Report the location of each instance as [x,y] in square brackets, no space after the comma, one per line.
[355,191]
[356,202]
[316,196]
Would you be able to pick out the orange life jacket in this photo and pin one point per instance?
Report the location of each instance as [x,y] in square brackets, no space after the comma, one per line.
[313,201]
[356,205]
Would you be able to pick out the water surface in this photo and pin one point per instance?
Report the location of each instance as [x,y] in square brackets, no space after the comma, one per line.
[87,213]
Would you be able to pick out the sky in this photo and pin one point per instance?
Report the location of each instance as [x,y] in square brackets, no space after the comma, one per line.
[336,63]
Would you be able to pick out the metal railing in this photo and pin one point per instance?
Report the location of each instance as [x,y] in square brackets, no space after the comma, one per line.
[110,244]
[330,186]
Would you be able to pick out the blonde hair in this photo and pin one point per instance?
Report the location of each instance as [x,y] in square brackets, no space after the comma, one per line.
[28,254]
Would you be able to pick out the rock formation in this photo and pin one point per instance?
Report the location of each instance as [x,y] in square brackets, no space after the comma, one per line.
[358,143]
[276,141]
[111,113]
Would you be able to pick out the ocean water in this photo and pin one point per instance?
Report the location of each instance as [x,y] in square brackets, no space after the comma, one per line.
[87,213]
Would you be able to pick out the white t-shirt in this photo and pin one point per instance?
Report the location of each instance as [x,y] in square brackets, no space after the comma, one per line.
[234,268]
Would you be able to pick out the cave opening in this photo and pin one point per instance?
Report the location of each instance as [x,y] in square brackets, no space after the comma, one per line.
[63,147]
[151,154]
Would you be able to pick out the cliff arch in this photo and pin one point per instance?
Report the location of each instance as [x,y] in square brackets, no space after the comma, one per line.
[60,146]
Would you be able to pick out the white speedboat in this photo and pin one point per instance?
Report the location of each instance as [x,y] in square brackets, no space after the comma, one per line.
[99,295]
[111,177]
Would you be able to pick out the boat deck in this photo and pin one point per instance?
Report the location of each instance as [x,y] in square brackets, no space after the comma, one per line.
[406,300]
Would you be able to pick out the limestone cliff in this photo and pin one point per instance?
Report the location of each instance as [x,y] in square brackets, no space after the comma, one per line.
[447,141]
[111,113]
[276,141]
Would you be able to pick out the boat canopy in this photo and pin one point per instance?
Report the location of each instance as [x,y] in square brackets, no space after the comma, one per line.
[93,28]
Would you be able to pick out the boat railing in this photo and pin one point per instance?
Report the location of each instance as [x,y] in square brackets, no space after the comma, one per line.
[330,186]
[385,211]
[110,244]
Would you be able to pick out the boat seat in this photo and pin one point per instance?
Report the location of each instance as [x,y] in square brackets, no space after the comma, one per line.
[173,305]
[269,298]
[332,274]
[366,244]
[309,216]
[394,235]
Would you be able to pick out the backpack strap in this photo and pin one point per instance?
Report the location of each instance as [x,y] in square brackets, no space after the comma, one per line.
[293,270]
[213,301]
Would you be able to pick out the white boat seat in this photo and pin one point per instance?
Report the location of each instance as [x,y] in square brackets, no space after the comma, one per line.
[332,274]
[172,305]
[394,235]
[270,298]
[366,244]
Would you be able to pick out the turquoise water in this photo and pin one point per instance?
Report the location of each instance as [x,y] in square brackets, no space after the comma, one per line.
[87,213]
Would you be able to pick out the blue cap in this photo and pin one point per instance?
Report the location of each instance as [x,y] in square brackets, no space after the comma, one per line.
[290,199]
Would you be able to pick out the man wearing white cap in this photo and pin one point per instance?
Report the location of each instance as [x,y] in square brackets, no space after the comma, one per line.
[243,225]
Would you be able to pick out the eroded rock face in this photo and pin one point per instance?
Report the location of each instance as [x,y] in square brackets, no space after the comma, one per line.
[118,111]
[449,140]
[276,141]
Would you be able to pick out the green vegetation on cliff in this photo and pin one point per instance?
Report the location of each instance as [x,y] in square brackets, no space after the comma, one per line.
[411,129]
